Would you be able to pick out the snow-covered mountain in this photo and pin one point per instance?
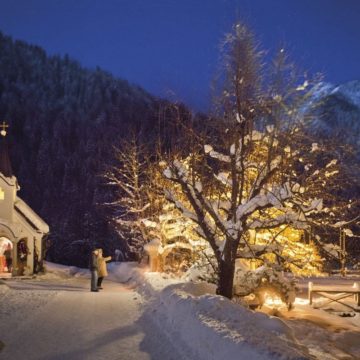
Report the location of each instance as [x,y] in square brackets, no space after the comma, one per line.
[338,111]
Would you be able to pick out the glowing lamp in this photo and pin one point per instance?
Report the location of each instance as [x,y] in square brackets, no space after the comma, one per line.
[3,127]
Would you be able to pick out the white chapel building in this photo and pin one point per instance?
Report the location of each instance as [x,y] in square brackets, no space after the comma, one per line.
[22,231]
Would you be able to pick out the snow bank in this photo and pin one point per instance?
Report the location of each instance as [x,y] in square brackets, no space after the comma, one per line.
[128,273]
[131,274]
[204,325]
[325,334]
[215,328]
[54,271]
[333,320]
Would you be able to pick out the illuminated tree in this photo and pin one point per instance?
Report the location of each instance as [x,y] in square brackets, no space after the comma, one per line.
[131,207]
[141,212]
[178,243]
[263,179]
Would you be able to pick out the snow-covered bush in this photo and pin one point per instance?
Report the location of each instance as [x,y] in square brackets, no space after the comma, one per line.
[265,281]
[204,267]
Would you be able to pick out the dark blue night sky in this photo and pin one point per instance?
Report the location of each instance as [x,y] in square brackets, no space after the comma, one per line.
[171,47]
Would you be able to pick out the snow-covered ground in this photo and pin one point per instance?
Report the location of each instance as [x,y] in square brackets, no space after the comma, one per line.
[216,328]
[55,317]
[211,327]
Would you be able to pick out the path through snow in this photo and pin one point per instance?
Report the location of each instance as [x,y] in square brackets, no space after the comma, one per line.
[62,319]
[56,317]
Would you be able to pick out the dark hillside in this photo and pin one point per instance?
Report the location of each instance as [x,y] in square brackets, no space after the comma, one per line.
[64,121]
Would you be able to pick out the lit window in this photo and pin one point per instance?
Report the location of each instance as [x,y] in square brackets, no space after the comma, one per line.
[2,194]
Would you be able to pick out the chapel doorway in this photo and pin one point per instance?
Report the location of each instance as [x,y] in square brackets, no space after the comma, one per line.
[22,257]
[6,257]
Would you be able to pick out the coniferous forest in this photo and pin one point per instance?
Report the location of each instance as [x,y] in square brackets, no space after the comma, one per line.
[64,121]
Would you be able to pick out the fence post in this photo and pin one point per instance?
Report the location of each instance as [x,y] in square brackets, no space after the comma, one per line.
[310,287]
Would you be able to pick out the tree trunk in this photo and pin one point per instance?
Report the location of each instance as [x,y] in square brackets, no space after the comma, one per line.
[226,278]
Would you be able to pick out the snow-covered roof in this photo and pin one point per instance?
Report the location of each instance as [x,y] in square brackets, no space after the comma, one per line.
[9,180]
[30,216]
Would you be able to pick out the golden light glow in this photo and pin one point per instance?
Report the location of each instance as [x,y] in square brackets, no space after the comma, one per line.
[284,245]
[272,300]
[301,259]
[2,194]
[179,242]
[300,301]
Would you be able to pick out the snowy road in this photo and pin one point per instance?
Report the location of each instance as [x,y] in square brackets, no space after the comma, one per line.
[47,320]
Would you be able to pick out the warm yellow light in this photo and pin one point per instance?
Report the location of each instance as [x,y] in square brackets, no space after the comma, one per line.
[300,301]
[272,300]
[302,259]
[2,194]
